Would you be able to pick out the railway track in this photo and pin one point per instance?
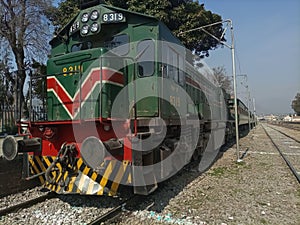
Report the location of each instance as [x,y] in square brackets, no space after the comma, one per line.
[285,134]
[27,204]
[113,214]
[126,206]
[290,125]
[288,148]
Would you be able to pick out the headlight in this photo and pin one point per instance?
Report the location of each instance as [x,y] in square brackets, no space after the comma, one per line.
[84,29]
[94,27]
[94,15]
[84,17]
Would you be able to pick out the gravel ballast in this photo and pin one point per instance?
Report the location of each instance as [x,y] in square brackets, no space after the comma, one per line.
[258,190]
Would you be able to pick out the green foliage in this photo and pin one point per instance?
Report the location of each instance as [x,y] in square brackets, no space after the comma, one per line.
[65,11]
[157,8]
[117,3]
[180,15]
[190,16]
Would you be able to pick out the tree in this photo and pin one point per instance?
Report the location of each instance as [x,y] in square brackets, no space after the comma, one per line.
[182,15]
[61,15]
[222,78]
[25,30]
[7,79]
[178,15]
[296,104]
[6,87]
[159,8]
[39,82]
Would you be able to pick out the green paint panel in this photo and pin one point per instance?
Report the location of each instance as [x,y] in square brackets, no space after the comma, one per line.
[67,96]
[82,52]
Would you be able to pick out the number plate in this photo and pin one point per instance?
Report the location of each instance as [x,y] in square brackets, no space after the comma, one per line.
[113,17]
[74,27]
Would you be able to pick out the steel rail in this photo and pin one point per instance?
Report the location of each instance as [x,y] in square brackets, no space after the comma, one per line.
[291,167]
[27,204]
[108,215]
[289,125]
[113,213]
[285,134]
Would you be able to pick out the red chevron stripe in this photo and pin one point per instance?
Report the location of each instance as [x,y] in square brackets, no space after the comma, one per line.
[61,93]
[72,104]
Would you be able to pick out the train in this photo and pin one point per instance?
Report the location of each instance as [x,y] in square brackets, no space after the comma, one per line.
[125,107]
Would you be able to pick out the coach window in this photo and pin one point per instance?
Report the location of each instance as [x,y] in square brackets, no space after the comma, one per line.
[145,58]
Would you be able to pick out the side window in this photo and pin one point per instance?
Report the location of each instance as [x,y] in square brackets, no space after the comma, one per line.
[175,66]
[181,71]
[146,58]
[172,64]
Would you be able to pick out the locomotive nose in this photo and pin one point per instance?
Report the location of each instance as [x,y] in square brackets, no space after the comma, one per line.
[11,147]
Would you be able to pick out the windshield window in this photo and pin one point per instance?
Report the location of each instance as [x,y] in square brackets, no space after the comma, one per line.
[81,46]
[119,44]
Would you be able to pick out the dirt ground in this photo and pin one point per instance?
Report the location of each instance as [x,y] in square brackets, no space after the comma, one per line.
[258,190]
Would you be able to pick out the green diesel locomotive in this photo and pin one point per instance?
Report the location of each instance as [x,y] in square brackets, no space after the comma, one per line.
[125,107]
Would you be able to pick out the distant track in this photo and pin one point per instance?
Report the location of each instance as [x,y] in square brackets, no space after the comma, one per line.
[285,134]
[290,165]
[289,125]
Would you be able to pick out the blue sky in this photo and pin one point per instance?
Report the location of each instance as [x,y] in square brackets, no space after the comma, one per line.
[267,47]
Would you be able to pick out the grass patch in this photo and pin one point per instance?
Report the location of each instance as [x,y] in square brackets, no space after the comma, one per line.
[264,164]
[218,172]
[242,164]
[238,190]
[263,221]
[298,192]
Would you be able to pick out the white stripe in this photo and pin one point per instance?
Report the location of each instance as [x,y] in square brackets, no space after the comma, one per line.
[88,76]
[51,90]
[53,77]
[86,79]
